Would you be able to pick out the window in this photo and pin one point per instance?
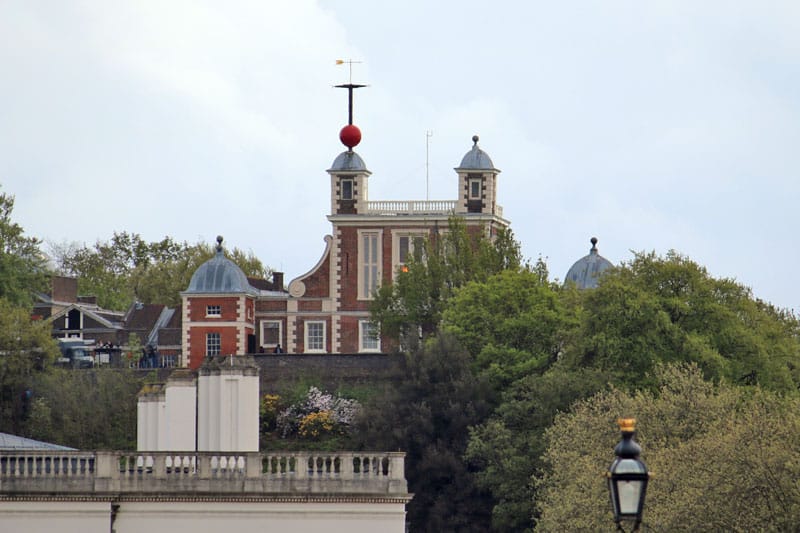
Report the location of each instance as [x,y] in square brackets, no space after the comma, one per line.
[213,344]
[475,188]
[213,310]
[271,333]
[369,256]
[315,336]
[347,189]
[368,337]
[405,245]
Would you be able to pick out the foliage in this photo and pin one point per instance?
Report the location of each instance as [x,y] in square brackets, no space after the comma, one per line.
[513,323]
[428,414]
[26,350]
[330,414]
[22,265]
[268,412]
[317,424]
[128,268]
[507,447]
[670,309]
[724,457]
[412,306]
[86,409]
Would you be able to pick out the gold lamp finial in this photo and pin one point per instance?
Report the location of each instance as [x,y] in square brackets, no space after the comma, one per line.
[627,425]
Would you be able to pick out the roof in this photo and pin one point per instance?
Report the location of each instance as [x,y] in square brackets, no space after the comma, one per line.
[219,275]
[476,159]
[586,270]
[348,161]
[13,442]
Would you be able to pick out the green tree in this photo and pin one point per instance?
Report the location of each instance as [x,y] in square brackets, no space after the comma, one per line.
[512,323]
[86,409]
[428,415]
[22,265]
[506,449]
[725,457]
[670,309]
[411,307]
[26,350]
[128,268]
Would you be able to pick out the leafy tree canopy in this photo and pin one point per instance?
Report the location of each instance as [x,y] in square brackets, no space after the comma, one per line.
[22,265]
[724,457]
[26,350]
[128,268]
[414,302]
[668,309]
[428,415]
[513,323]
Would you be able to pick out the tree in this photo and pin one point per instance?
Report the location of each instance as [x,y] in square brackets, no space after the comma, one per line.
[670,309]
[26,350]
[22,265]
[411,307]
[428,415]
[86,409]
[128,268]
[725,457]
[513,323]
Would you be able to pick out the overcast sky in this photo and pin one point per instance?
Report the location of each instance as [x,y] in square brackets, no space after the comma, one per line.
[651,125]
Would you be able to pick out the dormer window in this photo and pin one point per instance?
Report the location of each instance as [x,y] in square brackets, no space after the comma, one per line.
[213,310]
[347,189]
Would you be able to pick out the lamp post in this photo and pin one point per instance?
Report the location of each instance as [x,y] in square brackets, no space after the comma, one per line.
[627,478]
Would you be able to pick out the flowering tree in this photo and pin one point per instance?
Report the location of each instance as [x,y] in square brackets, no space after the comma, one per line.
[318,414]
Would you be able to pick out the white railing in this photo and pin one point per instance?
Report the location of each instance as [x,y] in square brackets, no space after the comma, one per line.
[411,207]
[278,472]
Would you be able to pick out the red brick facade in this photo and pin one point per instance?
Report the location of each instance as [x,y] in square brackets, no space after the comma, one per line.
[326,310]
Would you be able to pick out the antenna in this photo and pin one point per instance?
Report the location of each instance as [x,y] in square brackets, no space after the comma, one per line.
[428,135]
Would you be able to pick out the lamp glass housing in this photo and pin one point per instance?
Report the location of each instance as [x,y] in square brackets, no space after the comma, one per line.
[627,482]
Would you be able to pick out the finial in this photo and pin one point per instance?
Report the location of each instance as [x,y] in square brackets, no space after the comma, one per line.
[627,425]
[475,139]
[219,243]
[593,240]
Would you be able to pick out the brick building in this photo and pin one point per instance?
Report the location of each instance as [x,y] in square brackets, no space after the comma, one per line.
[326,309]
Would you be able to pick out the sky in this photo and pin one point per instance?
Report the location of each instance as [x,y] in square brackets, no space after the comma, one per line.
[654,126]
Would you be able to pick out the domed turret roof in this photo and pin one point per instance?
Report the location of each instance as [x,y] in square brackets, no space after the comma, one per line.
[220,275]
[586,270]
[348,161]
[476,159]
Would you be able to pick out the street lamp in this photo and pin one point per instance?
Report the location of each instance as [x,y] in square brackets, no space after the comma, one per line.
[627,477]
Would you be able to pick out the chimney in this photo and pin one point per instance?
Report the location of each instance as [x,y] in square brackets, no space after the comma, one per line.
[64,289]
[277,281]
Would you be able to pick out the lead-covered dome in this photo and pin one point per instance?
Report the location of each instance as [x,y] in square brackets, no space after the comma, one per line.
[220,275]
[586,270]
[476,159]
[348,161]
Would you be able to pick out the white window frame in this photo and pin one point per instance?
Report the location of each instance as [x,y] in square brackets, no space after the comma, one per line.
[212,347]
[306,336]
[210,311]
[397,236]
[471,184]
[352,183]
[374,340]
[370,262]
[264,324]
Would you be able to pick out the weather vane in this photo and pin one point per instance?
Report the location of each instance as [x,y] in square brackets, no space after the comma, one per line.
[350,134]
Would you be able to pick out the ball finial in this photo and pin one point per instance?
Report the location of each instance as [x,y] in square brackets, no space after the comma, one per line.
[475,139]
[219,243]
[350,136]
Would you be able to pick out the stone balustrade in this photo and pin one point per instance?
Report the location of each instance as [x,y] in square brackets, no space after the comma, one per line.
[416,207]
[290,473]
[411,207]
